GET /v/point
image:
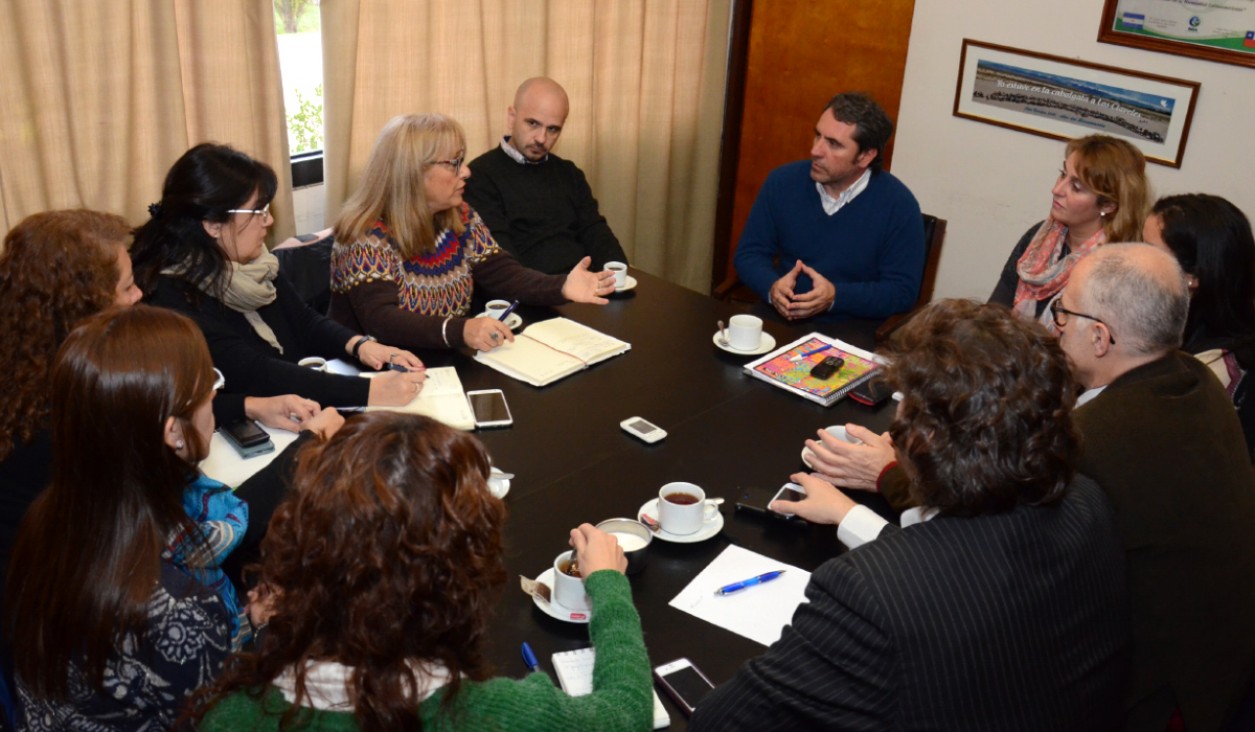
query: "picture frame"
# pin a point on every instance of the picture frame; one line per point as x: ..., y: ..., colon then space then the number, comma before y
x: 1063, y: 98
x: 1221, y: 32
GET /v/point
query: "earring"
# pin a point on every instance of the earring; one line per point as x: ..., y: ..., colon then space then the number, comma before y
x: 179, y: 445
x: 1102, y: 214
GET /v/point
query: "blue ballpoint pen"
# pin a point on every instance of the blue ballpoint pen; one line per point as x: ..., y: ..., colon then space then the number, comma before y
x: 529, y: 658
x: 506, y: 313
x: 812, y: 352
x: 737, y: 586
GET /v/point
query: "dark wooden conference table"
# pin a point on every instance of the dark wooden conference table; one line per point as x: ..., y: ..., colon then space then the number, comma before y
x: 573, y: 464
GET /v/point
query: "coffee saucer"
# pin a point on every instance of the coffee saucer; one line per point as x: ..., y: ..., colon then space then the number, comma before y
x: 628, y: 284
x: 553, y: 609
x: 498, y: 484
x: 512, y: 321
x: 765, y: 344
x: 709, y: 529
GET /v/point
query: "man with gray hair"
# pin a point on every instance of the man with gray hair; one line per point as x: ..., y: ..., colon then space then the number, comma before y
x: 1161, y: 437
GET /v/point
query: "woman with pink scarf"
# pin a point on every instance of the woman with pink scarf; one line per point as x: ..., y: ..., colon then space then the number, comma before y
x: 1100, y: 196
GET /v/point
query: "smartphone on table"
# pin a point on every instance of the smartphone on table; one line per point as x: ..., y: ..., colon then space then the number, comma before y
x: 756, y: 500
x: 248, y: 438
x: 490, y: 408
x: 871, y: 392
x: 684, y: 683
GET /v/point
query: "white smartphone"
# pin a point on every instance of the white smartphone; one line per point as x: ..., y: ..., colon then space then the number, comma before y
x: 643, y: 429
x: 788, y: 492
x: 684, y: 683
x: 490, y: 408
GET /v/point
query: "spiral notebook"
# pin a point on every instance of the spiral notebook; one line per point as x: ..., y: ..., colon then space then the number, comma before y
x: 575, y: 676
x: 789, y: 368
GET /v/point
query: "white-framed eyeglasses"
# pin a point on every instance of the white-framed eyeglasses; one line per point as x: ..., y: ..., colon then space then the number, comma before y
x: 262, y: 212
x: 219, y: 380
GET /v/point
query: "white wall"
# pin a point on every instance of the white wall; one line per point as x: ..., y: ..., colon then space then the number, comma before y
x: 308, y: 203
x: 991, y: 183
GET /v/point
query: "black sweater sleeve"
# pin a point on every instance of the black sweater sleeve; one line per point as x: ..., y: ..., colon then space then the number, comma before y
x: 1004, y: 291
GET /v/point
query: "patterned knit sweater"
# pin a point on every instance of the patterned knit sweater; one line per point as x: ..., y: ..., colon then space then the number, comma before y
x: 405, y: 302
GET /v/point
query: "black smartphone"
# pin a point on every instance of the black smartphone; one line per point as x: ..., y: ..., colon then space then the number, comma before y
x: 756, y: 500
x: 248, y: 438
x: 684, y: 683
x: 827, y: 367
x: 871, y: 392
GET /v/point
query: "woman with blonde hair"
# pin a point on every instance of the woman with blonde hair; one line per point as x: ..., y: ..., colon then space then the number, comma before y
x: 410, y: 253
x: 1101, y: 196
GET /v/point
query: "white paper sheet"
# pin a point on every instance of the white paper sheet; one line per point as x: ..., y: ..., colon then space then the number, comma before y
x: 758, y: 613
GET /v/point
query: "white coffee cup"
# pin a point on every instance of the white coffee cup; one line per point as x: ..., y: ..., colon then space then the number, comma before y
x: 688, y: 516
x: 314, y: 362
x: 620, y: 273
x: 568, y: 591
x: 495, y: 308
x: 745, y: 332
x: 838, y: 431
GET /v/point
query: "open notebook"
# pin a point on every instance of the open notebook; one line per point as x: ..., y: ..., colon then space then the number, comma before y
x: 575, y: 676
x: 441, y: 398
x: 551, y: 350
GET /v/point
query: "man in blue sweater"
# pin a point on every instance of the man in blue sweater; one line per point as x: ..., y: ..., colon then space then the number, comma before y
x: 836, y: 236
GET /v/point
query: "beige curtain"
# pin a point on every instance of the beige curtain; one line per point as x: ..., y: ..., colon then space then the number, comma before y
x: 645, y: 79
x: 100, y: 98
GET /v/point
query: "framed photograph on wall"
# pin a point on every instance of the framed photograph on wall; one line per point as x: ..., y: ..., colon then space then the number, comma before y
x: 1223, y: 32
x: 1065, y: 98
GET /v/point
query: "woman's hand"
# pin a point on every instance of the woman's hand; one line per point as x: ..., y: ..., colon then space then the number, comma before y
x: 325, y: 424
x: 378, y: 356
x: 596, y: 550
x: 824, y: 503
x: 395, y: 388
x: 485, y: 334
x: 849, y: 465
x: 285, y: 412
x: 584, y: 286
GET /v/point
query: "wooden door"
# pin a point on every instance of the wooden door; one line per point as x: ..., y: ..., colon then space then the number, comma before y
x: 788, y: 59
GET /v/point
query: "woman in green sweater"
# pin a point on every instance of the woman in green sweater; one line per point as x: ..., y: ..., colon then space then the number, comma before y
x: 380, y: 573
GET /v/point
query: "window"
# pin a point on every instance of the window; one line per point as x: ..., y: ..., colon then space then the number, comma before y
x: 299, y: 29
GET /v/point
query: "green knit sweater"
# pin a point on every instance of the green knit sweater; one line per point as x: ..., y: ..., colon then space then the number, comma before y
x: 621, y: 699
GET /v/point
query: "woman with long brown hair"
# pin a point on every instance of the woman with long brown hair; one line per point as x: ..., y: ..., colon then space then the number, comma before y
x: 109, y: 628
x: 382, y: 569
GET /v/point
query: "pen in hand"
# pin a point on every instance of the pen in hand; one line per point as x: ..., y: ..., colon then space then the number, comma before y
x: 506, y: 313
x: 529, y: 658
x: 737, y: 586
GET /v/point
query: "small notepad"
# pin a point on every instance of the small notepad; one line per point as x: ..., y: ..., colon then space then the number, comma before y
x: 575, y: 676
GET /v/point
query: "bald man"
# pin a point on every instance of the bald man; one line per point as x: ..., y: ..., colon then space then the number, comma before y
x: 537, y: 205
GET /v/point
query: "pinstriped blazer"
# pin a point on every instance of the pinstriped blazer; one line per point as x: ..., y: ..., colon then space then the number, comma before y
x: 1013, y: 621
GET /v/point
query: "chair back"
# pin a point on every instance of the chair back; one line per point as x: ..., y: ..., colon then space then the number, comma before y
x: 308, y: 267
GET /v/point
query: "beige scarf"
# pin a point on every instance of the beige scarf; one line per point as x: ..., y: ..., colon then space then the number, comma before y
x: 251, y: 286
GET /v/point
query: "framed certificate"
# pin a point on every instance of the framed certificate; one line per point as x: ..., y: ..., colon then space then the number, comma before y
x: 1215, y: 31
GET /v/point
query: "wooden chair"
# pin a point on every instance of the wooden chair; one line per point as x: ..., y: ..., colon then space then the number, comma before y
x: 732, y: 289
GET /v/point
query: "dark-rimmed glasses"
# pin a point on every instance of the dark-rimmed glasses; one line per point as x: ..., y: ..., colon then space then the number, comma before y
x: 1060, y: 314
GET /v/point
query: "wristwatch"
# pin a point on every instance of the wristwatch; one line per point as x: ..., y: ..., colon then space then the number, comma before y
x: 358, y: 346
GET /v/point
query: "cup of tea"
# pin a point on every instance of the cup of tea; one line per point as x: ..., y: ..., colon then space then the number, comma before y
x: 745, y: 332
x: 495, y: 308
x: 683, y: 508
x: 620, y: 273
x: 568, y: 585
x: 314, y: 362
x: 633, y: 537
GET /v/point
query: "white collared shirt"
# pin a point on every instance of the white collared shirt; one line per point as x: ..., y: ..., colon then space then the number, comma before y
x: 517, y: 156
x: 832, y: 205
x: 1088, y: 394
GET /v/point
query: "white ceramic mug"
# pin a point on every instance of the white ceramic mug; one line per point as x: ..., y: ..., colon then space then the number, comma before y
x: 620, y: 273
x: 314, y: 362
x: 838, y: 431
x: 745, y: 332
x: 568, y: 591
x: 495, y: 308
x: 687, y: 517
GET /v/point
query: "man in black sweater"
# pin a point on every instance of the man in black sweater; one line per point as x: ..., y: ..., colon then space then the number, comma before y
x: 537, y: 205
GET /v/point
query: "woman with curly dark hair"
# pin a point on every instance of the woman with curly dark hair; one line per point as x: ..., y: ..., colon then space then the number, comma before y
x: 1001, y: 602
x: 203, y: 253
x: 381, y: 570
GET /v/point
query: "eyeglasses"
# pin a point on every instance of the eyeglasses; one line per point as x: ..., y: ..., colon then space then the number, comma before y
x: 1060, y: 314
x: 262, y: 212
x: 455, y: 164
x: 219, y: 380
